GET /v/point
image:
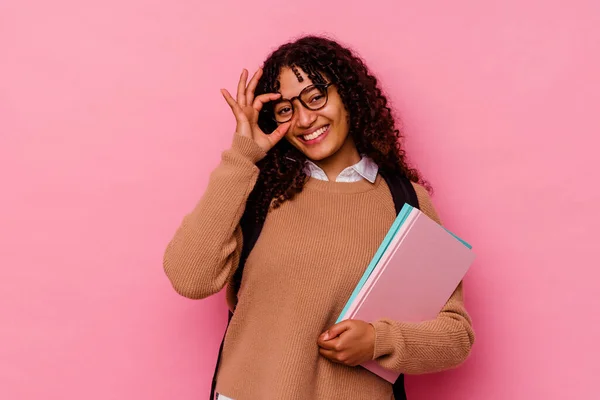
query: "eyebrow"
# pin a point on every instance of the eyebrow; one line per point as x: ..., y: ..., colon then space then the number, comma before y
x: 296, y: 96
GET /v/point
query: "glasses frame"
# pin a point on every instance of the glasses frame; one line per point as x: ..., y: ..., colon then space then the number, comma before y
x: 325, y: 87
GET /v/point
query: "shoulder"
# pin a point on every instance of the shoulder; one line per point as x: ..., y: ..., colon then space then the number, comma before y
x: 425, y: 203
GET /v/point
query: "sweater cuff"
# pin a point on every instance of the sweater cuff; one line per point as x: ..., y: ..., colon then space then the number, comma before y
x: 384, y: 339
x: 248, y: 148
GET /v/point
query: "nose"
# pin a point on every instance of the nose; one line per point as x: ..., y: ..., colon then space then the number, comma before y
x: 304, y: 117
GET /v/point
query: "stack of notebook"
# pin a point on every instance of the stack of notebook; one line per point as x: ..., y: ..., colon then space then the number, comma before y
x: 414, y: 272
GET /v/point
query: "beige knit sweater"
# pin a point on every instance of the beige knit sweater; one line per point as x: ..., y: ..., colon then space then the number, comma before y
x: 301, y: 272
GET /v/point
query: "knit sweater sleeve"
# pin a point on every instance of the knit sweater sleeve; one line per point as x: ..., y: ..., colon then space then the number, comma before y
x: 429, y: 346
x: 205, y: 250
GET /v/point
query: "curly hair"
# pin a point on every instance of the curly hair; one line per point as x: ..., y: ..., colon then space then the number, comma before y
x: 371, y: 122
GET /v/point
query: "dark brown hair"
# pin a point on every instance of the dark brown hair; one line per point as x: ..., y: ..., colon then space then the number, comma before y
x: 371, y: 122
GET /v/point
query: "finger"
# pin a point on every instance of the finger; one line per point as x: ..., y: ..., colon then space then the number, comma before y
x: 336, y: 330
x: 329, y: 354
x: 252, y: 86
x: 231, y: 101
x: 241, y: 89
x: 333, y: 356
x: 260, y: 101
x: 332, y: 345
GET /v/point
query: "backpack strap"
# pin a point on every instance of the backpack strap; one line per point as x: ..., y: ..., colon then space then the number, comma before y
x: 401, y: 188
x: 251, y: 228
x: 402, y: 192
x: 213, y: 386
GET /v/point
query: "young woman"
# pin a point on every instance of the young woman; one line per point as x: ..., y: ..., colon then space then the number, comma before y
x: 313, y: 135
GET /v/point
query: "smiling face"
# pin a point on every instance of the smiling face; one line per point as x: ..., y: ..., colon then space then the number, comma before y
x: 321, y: 135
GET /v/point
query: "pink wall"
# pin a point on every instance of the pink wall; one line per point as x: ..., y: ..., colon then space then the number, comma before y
x: 111, y: 120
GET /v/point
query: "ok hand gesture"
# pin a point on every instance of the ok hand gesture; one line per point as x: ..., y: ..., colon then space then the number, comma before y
x: 246, y: 109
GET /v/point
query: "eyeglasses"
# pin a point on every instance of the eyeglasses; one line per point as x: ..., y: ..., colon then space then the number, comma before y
x: 313, y: 97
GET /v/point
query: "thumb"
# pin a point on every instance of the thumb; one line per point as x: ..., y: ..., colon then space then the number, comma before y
x: 280, y: 132
x: 337, y: 330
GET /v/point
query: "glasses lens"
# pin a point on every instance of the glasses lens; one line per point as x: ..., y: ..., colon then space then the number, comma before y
x: 315, y: 97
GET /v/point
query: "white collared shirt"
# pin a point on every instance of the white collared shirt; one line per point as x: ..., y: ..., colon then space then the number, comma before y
x: 366, y: 168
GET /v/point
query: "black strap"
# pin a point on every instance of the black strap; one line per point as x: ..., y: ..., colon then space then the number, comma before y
x: 402, y: 192
x: 213, y: 386
x: 251, y: 228
x: 401, y: 188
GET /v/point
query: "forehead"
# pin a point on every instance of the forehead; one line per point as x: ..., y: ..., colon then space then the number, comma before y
x: 289, y: 82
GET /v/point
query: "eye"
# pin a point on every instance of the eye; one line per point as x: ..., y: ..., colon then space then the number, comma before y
x: 284, y: 110
x: 316, y: 97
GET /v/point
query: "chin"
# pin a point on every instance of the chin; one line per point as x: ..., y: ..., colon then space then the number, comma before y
x: 318, y: 153
x: 318, y: 156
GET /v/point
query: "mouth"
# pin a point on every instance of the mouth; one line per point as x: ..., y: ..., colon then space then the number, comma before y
x: 315, y: 136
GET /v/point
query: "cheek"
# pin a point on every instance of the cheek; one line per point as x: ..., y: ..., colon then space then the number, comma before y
x: 338, y: 114
x: 344, y: 117
x: 292, y: 140
x: 342, y: 120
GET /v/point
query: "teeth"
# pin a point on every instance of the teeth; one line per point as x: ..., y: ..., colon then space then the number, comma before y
x: 315, y: 134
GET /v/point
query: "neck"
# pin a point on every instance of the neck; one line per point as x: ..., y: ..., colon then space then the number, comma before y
x: 346, y: 156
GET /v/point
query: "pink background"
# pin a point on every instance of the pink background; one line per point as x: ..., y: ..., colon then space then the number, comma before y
x: 111, y: 121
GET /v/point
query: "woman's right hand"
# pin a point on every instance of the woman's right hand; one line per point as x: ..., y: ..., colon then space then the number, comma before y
x: 246, y: 109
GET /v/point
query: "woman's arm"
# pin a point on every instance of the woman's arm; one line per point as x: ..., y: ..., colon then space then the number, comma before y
x: 206, y: 248
x: 429, y: 346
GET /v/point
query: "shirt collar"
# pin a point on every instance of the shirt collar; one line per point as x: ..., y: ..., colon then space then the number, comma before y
x: 365, y: 168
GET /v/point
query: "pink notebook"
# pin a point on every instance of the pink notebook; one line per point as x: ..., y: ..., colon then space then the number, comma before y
x: 416, y: 275
x: 395, y: 241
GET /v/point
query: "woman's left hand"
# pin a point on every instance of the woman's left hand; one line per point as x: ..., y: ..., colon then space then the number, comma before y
x: 350, y: 342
